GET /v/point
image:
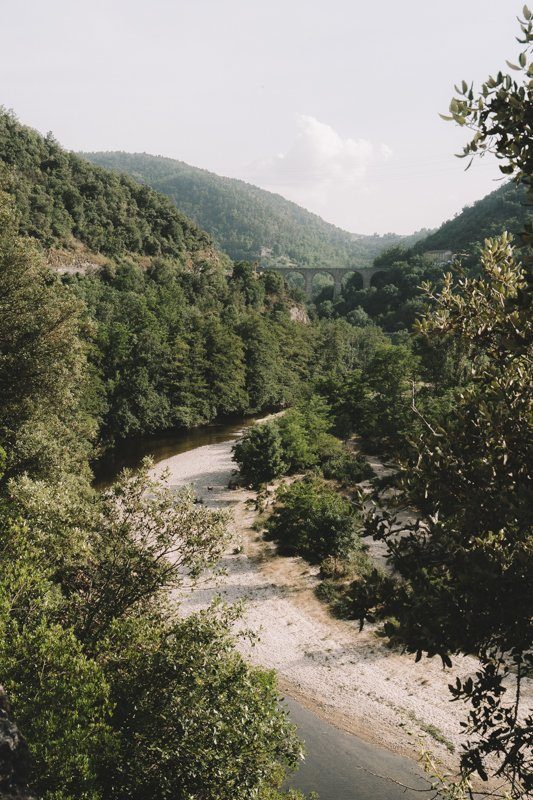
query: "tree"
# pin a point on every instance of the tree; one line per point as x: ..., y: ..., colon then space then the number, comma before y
x: 46, y: 425
x: 375, y: 401
x: 144, y: 541
x: 298, y: 453
x: 259, y: 454
x: 59, y: 693
x: 225, y: 374
x: 501, y: 116
x: 193, y: 719
x: 467, y: 564
x: 314, y: 521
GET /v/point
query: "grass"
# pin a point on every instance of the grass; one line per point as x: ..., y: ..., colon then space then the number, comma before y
x: 432, y: 731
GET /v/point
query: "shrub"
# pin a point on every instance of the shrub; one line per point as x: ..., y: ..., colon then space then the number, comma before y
x: 259, y: 454
x: 346, y: 467
x: 314, y: 521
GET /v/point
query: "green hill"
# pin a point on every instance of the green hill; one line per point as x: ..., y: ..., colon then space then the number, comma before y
x: 243, y: 219
x: 501, y: 210
x: 395, y: 299
x: 65, y: 202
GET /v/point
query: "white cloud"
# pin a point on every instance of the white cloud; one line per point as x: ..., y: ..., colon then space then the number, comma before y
x: 320, y: 170
x: 318, y: 156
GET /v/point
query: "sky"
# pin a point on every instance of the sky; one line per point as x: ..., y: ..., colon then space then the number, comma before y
x: 331, y: 103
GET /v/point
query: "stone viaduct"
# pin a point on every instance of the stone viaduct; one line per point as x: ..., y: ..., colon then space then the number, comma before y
x: 337, y: 273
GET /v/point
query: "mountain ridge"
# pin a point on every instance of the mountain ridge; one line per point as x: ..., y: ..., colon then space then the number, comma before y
x: 244, y: 219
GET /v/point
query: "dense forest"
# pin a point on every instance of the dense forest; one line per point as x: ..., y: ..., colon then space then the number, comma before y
x: 62, y: 200
x: 243, y: 219
x: 176, y: 335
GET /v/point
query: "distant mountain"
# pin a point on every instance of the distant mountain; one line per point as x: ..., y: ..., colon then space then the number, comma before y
x: 501, y: 210
x: 245, y: 220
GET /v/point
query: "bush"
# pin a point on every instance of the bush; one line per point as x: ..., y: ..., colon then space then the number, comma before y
x: 259, y: 454
x: 312, y: 520
x: 297, y: 441
x: 194, y: 719
x: 347, y: 468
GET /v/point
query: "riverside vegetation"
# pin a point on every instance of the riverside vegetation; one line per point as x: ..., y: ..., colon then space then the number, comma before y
x: 116, y: 696
x: 152, y: 328
x: 455, y: 405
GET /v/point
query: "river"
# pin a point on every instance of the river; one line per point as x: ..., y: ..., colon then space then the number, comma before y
x: 338, y: 766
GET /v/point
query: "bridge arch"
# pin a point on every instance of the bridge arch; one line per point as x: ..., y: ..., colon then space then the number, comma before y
x: 355, y: 279
x: 295, y: 278
x: 330, y: 283
x: 378, y: 278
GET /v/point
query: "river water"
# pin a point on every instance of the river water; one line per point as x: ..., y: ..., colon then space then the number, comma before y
x: 131, y: 452
x: 338, y: 766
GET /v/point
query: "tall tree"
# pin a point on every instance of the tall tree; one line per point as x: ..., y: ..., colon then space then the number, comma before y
x: 46, y: 422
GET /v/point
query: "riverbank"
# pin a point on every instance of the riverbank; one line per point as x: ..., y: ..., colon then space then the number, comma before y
x: 349, y: 678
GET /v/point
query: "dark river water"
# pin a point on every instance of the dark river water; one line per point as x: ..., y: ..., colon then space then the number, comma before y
x: 131, y: 452
x: 337, y: 766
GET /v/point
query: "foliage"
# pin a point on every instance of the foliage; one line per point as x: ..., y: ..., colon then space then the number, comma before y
x: 304, y: 432
x: 346, y: 467
x: 243, y: 219
x: 195, y: 720
x: 504, y: 209
x: 141, y: 530
x: 46, y: 417
x: 259, y: 454
x: 500, y: 115
x: 116, y: 696
x: 172, y: 339
x: 176, y: 349
x: 375, y: 401
x: 468, y: 565
x: 297, y: 441
x: 314, y: 521
x: 60, y: 694
x: 61, y: 199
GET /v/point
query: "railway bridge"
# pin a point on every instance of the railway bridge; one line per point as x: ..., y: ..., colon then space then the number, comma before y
x: 337, y: 273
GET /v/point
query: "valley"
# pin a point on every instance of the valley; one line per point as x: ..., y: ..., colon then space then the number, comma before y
x: 265, y: 483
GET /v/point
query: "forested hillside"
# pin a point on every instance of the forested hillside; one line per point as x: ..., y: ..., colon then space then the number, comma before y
x: 173, y: 339
x: 504, y: 209
x: 396, y: 298
x: 62, y: 200
x: 242, y: 218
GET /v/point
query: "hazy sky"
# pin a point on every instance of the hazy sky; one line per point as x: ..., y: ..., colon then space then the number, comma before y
x: 331, y: 103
